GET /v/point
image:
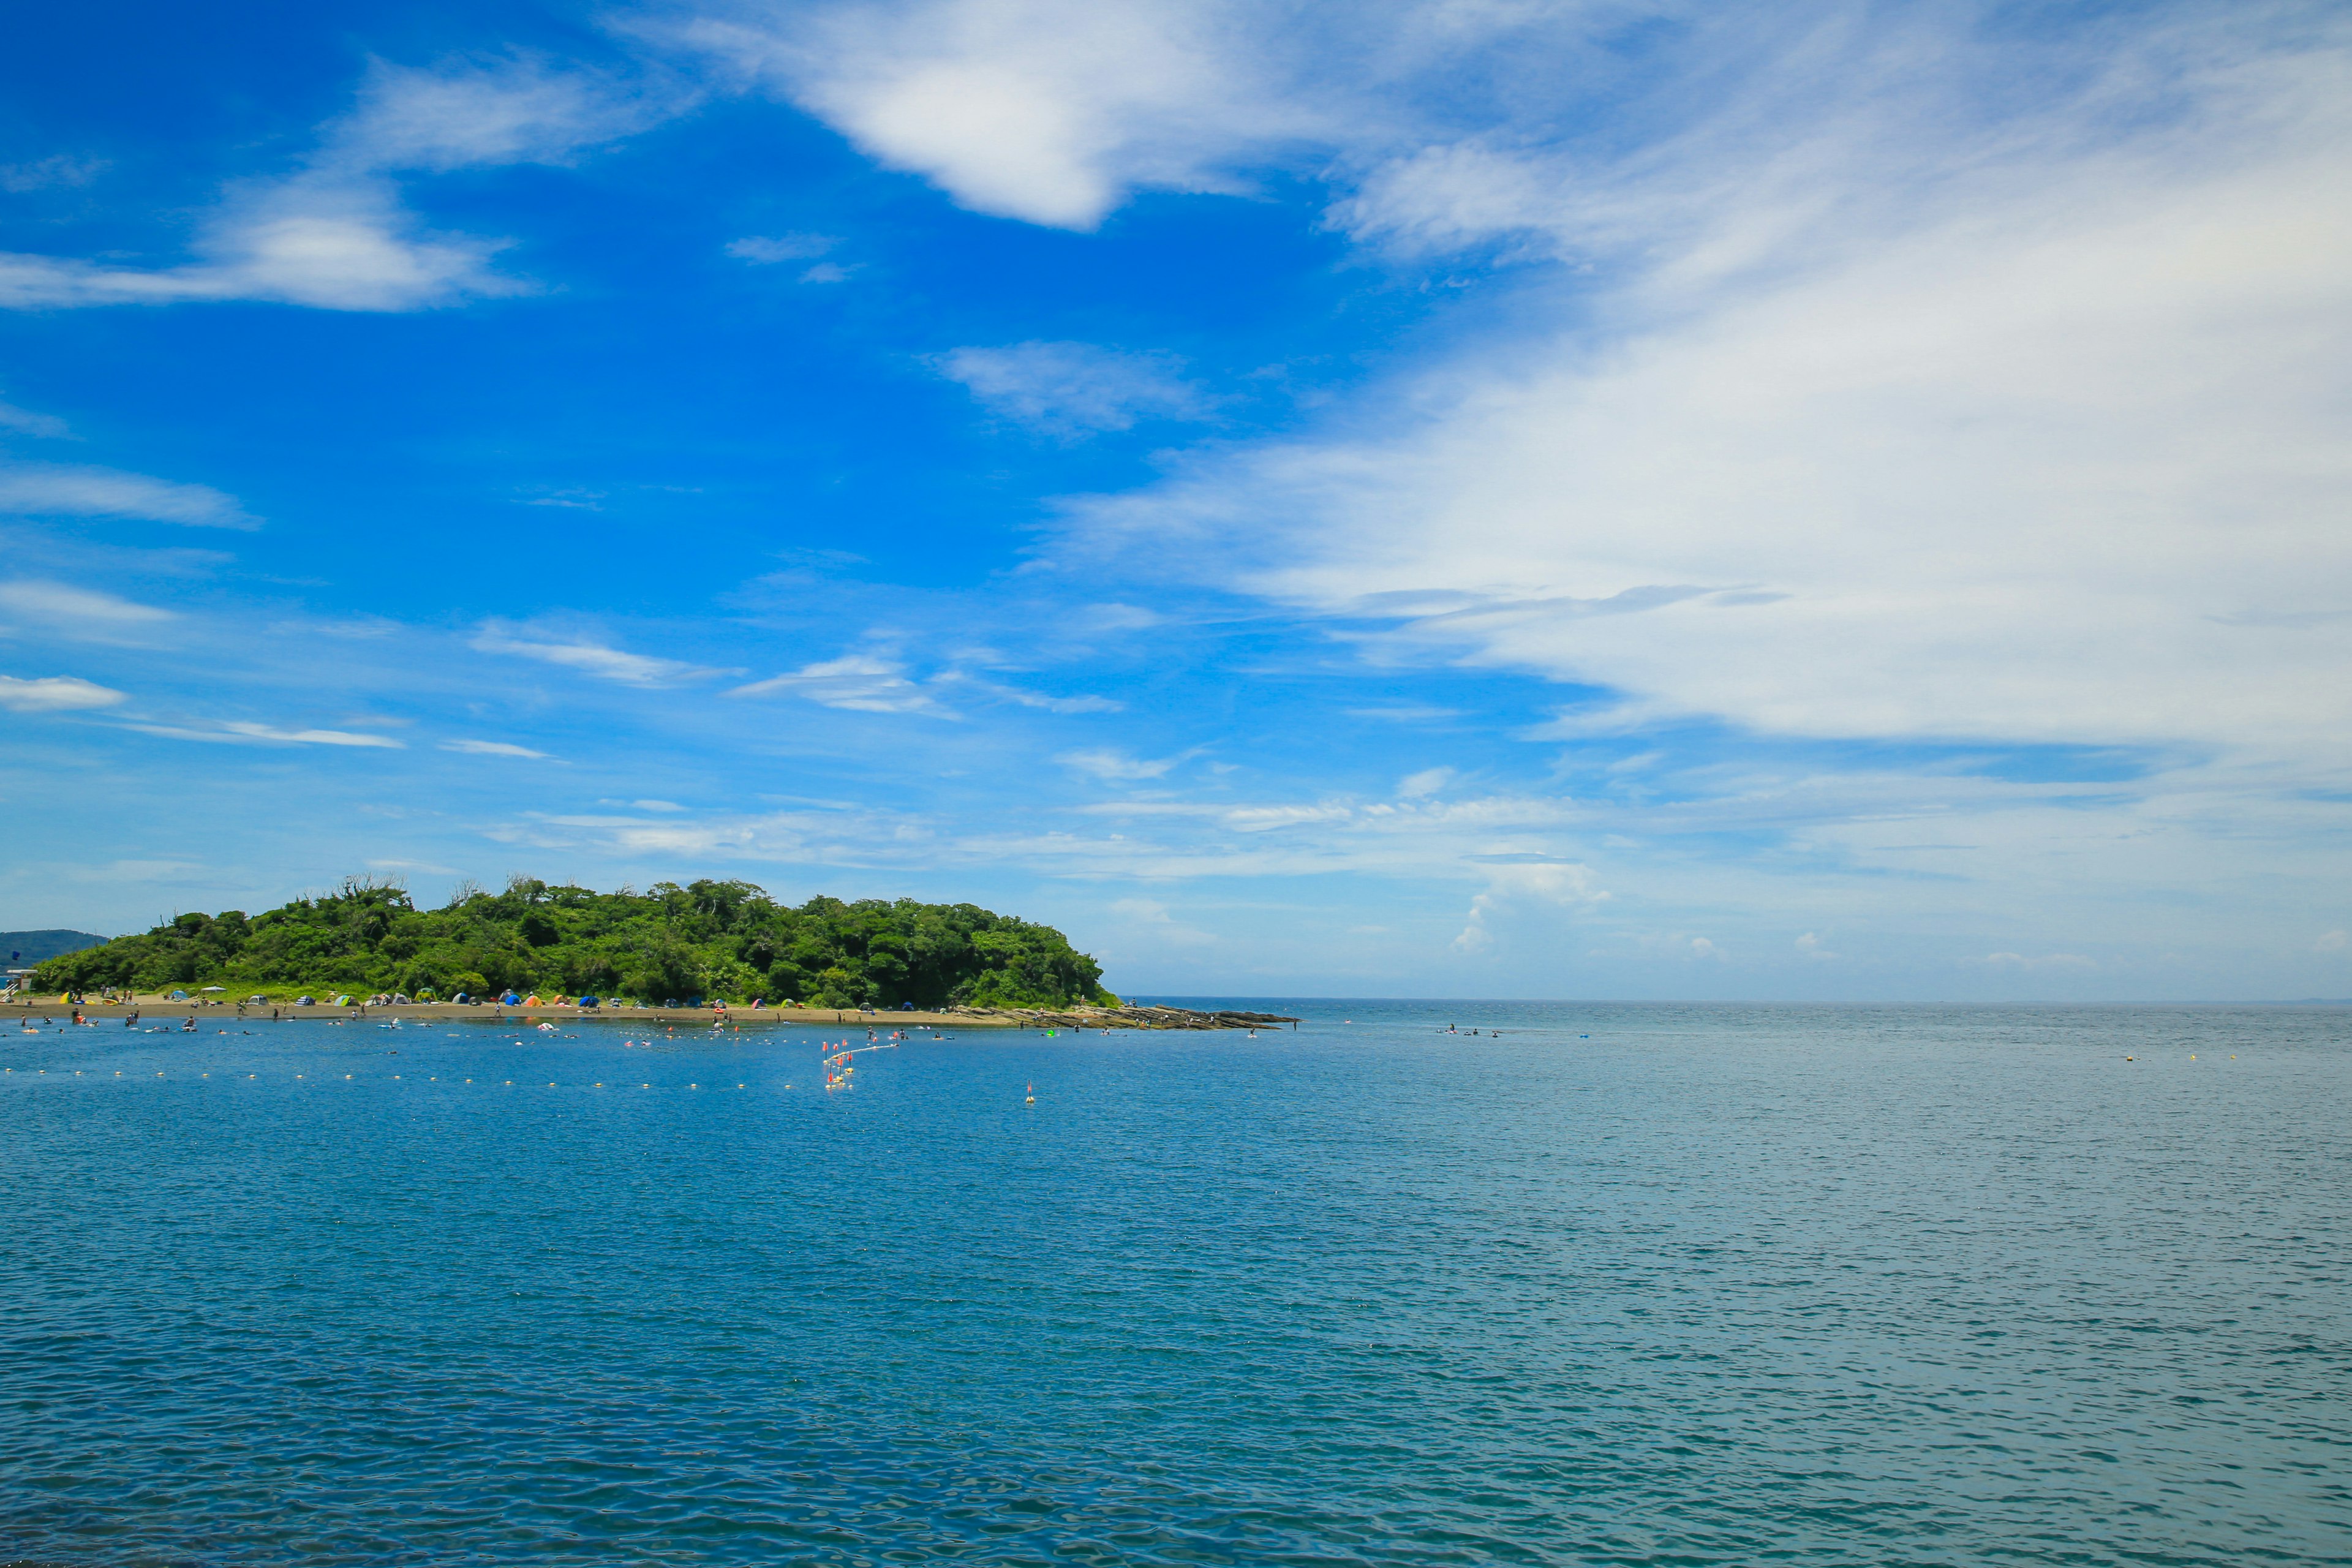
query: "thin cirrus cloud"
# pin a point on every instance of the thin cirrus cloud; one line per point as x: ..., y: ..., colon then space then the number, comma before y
x: 54, y: 694
x: 28, y: 422
x: 63, y: 603
x: 855, y: 682
x: 592, y: 659
x: 1072, y: 389
x: 54, y: 490
x: 773, y: 250
x: 1118, y: 767
x: 245, y: 731
x: 334, y: 233
x: 2025, y: 433
x: 472, y: 748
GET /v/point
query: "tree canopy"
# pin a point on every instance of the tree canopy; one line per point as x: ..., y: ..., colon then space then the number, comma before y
x: 704, y: 939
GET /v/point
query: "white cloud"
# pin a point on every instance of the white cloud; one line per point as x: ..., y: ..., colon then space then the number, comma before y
x: 59, y: 171
x: 2043, y: 961
x: 492, y: 749
x: 1049, y: 110
x: 334, y: 233
x: 1036, y: 699
x: 1920, y: 433
x: 28, y: 422
x: 64, y: 602
x: 1427, y: 782
x: 466, y: 114
x: 592, y: 658
x: 768, y: 250
x: 56, y: 489
x: 1811, y: 946
x: 241, y: 732
x: 2332, y: 941
x: 858, y: 682
x: 1067, y: 389
x: 335, y: 242
x: 1118, y: 767
x: 54, y: 694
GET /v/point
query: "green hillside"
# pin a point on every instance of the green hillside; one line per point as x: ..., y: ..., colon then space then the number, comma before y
x: 706, y: 940
x: 23, y: 949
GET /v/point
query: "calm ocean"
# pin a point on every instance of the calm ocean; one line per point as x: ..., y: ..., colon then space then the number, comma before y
x: 1629, y: 1284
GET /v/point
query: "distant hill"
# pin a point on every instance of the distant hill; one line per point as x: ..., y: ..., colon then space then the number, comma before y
x: 23, y: 948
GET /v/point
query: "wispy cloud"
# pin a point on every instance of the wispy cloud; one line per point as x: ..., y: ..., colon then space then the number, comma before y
x: 55, y: 490
x: 241, y: 731
x: 62, y: 601
x: 334, y: 233
x: 1070, y: 389
x: 27, y: 422
x: 1118, y: 767
x: 598, y: 660
x: 770, y: 249
x: 492, y: 749
x: 54, y: 694
x: 1039, y: 701
x: 1854, y: 445
x: 859, y: 682
x: 59, y: 171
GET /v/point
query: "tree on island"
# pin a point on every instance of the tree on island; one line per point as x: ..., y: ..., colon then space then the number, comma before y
x: 706, y: 939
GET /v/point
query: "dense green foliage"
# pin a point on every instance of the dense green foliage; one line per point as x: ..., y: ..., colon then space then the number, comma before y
x: 705, y: 940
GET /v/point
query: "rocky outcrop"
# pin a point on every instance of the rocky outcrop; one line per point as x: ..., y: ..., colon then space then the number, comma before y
x: 1122, y: 1019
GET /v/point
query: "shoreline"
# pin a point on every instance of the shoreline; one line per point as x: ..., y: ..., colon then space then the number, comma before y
x: 1072, y: 1019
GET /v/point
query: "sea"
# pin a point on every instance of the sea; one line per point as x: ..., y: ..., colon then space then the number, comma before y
x: 1412, y: 1283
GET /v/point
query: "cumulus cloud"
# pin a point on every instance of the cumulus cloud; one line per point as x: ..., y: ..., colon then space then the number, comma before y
x: 60, y: 490
x: 1540, y: 879
x: 54, y: 694
x: 1071, y: 389
x: 1047, y: 110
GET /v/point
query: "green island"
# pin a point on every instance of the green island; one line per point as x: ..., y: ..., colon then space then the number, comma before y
x: 705, y: 940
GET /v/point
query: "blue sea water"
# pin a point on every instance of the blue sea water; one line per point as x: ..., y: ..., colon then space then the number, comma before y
x: 1622, y: 1284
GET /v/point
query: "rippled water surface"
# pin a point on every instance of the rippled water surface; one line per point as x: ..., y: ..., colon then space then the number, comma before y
x: 1626, y: 1284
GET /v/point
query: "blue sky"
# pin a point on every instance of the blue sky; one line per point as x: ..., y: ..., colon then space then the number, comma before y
x: 1478, y: 497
